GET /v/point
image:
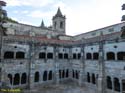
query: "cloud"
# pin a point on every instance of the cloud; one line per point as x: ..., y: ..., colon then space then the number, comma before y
x: 32, y: 3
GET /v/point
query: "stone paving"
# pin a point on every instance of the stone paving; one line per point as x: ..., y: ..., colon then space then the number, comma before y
x: 62, y: 88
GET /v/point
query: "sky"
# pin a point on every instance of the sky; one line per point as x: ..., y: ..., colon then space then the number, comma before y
x: 81, y: 15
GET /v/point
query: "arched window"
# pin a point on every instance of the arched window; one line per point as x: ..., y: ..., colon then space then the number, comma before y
x: 88, y: 77
x: 9, y: 55
x: 61, y: 24
x: 23, y: 78
x: 50, y: 55
x: 63, y: 74
x: 65, y: 56
x: 88, y: 56
x: 36, y: 78
x: 116, y: 84
x: 16, y: 79
x: 110, y: 56
x: 60, y: 74
x: 77, y: 74
x: 79, y: 55
x: 60, y: 55
x: 109, y: 82
x: 20, y: 55
x: 45, y: 76
x: 74, y: 56
x: 73, y: 74
x: 95, y: 56
x: 42, y: 55
x: 121, y: 55
x: 55, y: 25
x: 50, y: 75
x: 10, y: 78
x: 67, y: 73
x: 93, y: 78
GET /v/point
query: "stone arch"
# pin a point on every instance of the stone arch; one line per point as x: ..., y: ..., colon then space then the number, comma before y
x: 93, y: 79
x: 116, y: 84
x: 109, y: 82
x: 50, y: 55
x: 77, y: 74
x: 110, y: 56
x: 88, y: 77
x: 73, y: 73
x: 79, y: 55
x: 50, y: 75
x: 36, y: 77
x: 45, y: 76
x: 74, y: 56
x: 60, y: 56
x: 42, y: 55
x: 10, y: 78
x: 16, y: 79
x: 9, y: 55
x: 88, y: 56
x: 67, y: 73
x: 121, y: 55
x: 20, y: 55
x: 63, y: 73
x: 61, y: 24
x: 23, y: 78
x: 60, y: 74
x: 95, y: 56
x: 66, y: 56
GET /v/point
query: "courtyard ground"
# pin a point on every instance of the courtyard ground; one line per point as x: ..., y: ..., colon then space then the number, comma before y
x: 61, y: 88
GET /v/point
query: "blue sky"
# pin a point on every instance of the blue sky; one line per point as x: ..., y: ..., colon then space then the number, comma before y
x: 81, y: 15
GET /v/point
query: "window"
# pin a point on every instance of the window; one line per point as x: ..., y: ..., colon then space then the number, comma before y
x: 67, y: 73
x: 23, y: 78
x: 74, y: 56
x: 10, y: 78
x: 16, y: 79
x: 88, y: 56
x: 93, y: 78
x: 20, y: 55
x: 42, y: 55
x: 88, y: 77
x: 116, y: 84
x: 36, y: 78
x: 50, y: 75
x: 111, y: 30
x: 109, y: 82
x: 95, y: 56
x: 79, y: 55
x: 45, y: 76
x: 55, y: 25
x: 110, y: 56
x: 65, y: 56
x: 121, y: 55
x: 50, y: 55
x: 61, y: 24
x: 60, y: 55
x: 9, y: 55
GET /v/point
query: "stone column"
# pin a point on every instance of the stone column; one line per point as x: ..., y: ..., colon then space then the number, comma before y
x: 31, y: 65
x: 101, y: 76
x: 56, y: 49
x: 70, y: 62
x: 83, y: 64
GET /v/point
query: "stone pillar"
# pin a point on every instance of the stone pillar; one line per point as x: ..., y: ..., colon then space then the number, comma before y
x: 80, y: 77
x: 56, y: 49
x: 101, y: 76
x: 70, y: 62
x: 112, y: 85
x: 31, y: 65
x: 83, y: 63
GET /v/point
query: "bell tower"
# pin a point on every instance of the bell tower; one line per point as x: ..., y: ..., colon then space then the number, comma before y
x: 59, y: 22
